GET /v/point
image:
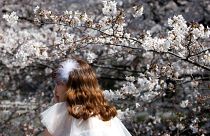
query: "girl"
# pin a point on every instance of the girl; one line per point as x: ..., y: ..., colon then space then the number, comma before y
x: 81, y: 109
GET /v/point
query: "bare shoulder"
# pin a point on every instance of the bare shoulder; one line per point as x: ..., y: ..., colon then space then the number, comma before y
x: 46, y: 133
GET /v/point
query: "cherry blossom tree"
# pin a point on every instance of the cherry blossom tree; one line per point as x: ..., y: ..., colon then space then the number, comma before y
x: 160, y: 80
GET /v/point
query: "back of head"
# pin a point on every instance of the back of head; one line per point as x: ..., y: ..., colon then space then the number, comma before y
x: 84, y: 95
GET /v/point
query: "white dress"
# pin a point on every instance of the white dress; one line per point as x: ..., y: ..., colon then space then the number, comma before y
x: 59, y: 123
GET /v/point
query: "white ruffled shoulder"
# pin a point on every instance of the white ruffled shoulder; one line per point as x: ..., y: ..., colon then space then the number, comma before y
x: 59, y: 123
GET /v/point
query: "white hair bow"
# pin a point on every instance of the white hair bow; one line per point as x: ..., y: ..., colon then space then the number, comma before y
x: 65, y: 69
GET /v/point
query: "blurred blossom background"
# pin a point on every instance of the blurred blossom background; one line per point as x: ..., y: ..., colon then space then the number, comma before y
x: 151, y: 57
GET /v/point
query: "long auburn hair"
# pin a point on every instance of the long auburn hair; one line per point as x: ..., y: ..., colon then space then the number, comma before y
x: 84, y: 95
